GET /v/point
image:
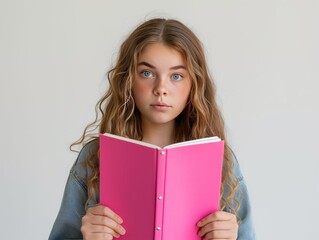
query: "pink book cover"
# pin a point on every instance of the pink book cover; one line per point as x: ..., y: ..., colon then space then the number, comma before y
x: 160, y: 193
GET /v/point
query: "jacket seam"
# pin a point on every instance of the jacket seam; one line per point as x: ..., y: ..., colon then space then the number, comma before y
x: 78, y: 181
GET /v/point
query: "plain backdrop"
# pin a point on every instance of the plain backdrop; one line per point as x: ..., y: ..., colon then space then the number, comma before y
x: 264, y: 58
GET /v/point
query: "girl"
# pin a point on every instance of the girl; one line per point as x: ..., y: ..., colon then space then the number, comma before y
x: 160, y: 92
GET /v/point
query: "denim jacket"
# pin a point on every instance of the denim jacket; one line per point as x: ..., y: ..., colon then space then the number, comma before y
x: 68, y: 222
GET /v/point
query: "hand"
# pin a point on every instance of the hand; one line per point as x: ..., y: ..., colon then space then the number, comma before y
x: 218, y: 225
x: 101, y: 222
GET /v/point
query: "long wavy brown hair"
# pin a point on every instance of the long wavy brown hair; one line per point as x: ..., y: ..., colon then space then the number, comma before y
x: 116, y: 112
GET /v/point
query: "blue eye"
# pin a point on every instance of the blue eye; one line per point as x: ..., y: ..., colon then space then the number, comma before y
x: 177, y: 77
x: 147, y: 74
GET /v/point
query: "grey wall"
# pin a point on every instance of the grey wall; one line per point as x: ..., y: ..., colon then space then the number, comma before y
x: 262, y: 54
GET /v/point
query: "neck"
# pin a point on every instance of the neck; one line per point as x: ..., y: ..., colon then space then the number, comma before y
x: 160, y: 135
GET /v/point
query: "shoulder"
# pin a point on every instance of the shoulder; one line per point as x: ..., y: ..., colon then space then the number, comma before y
x: 87, y: 149
x: 80, y: 170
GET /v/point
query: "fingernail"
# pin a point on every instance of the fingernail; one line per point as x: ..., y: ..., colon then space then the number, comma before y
x: 123, y: 231
x: 199, y: 223
x: 120, y: 220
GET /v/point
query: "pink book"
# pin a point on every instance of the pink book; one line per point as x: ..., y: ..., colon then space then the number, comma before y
x: 160, y: 193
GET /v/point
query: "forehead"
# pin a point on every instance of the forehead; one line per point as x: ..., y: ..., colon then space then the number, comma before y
x: 159, y: 53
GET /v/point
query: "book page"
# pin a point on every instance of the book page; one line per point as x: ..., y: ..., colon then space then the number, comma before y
x: 186, y: 143
x: 193, y: 142
x: 131, y: 140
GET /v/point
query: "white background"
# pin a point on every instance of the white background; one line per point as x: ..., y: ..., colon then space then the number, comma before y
x: 263, y: 55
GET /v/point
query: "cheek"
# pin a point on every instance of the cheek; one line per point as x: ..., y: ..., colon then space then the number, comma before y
x: 138, y: 92
x: 185, y: 92
x: 135, y: 90
x: 139, y: 87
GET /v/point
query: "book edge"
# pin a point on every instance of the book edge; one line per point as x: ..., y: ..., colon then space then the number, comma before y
x: 179, y: 144
x: 131, y: 140
x: 194, y: 142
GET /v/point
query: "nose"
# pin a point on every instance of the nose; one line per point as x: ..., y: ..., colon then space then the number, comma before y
x: 160, y: 88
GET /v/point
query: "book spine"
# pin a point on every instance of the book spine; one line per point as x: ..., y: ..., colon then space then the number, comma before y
x: 160, y: 187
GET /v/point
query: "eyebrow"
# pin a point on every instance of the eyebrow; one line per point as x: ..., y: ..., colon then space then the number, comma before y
x: 151, y: 66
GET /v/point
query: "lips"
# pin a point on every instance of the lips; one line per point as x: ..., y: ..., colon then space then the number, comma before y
x: 160, y: 106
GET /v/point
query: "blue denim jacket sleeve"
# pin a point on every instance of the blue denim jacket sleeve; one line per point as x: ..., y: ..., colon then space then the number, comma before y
x: 246, y: 229
x: 68, y: 222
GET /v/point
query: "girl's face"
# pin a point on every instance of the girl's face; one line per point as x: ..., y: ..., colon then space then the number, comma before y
x: 161, y: 84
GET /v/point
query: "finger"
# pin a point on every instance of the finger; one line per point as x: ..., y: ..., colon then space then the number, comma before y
x: 89, y: 220
x: 105, y: 211
x: 98, y: 231
x: 220, y: 234
x: 98, y: 236
x: 218, y: 226
x: 108, y: 222
x: 103, y: 229
x: 217, y: 216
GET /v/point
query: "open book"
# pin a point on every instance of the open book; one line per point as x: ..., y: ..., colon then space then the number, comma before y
x: 160, y: 193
